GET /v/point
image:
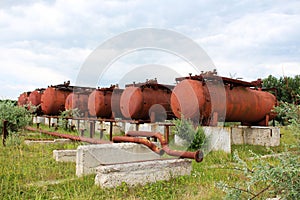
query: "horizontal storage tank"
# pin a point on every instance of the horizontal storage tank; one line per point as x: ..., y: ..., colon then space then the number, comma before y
x: 208, y: 101
x: 35, y: 99
x: 104, y: 102
x: 23, y: 99
x: 147, y: 101
x: 79, y: 99
x: 53, y: 99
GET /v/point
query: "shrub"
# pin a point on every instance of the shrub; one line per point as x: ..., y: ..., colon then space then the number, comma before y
x: 17, y: 117
x: 266, y: 179
x: 64, y: 115
x: 185, y: 129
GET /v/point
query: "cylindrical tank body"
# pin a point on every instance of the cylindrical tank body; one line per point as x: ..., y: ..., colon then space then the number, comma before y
x: 146, y: 102
x: 104, y: 102
x: 77, y: 100
x: 192, y: 99
x: 34, y: 99
x: 23, y: 99
x: 53, y: 100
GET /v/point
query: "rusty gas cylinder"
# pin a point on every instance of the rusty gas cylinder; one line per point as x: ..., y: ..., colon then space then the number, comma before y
x: 193, y: 99
x: 23, y: 99
x: 53, y: 100
x: 104, y: 102
x: 149, y: 101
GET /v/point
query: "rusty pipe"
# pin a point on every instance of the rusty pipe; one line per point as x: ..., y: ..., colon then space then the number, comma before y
x: 143, y: 141
x: 198, y: 155
x: 157, y: 135
x: 71, y: 137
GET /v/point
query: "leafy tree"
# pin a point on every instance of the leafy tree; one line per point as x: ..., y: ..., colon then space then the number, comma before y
x: 17, y: 117
x: 288, y: 88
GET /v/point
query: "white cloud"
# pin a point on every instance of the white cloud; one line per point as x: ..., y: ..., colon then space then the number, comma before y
x: 42, y: 42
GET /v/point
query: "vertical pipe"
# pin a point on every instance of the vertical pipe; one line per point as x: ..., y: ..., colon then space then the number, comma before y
x: 167, y: 133
x: 92, y: 129
x: 4, y: 132
x: 110, y: 130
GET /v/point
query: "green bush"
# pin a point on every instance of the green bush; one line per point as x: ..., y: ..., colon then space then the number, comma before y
x: 185, y: 129
x: 64, y: 115
x: 264, y: 179
x: 17, y: 117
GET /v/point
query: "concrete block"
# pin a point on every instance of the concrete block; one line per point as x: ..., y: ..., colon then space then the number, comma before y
x: 55, y: 141
x: 91, y: 156
x: 255, y: 135
x: 65, y: 155
x: 141, y: 173
x: 218, y: 139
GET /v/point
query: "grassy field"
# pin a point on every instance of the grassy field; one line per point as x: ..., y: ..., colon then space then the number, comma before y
x: 30, y: 172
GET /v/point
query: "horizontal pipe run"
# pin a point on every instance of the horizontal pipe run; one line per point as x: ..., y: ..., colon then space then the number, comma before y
x: 71, y: 137
x: 143, y: 141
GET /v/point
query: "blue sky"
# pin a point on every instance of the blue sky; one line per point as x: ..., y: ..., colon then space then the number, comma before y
x: 47, y: 42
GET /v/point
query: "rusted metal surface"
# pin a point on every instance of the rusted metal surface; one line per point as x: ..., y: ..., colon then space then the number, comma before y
x: 34, y: 99
x: 78, y: 99
x: 103, y: 102
x: 23, y: 99
x: 147, y: 101
x: 54, y: 97
x: 212, y: 76
x: 143, y: 141
x: 234, y: 101
x: 71, y: 137
x: 198, y: 155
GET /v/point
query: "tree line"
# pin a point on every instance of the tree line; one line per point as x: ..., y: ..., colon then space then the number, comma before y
x: 286, y: 89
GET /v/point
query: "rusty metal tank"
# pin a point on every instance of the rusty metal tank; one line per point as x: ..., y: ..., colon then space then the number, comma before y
x: 146, y: 101
x: 79, y: 99
x: 34, y: 99
x: 104, y: 102
x: 234, y: 100
x: 54, y: 97
x: 23, y: 99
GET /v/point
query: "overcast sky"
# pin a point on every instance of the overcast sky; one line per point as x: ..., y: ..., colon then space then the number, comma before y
x: 47, y: 42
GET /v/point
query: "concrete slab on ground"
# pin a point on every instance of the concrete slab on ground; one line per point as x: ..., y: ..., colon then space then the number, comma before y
x: 91, y: 156
x: 141, y: 173
x: 65, y: 155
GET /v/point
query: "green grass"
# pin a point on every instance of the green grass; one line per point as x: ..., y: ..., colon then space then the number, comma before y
x: 30, y: 172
